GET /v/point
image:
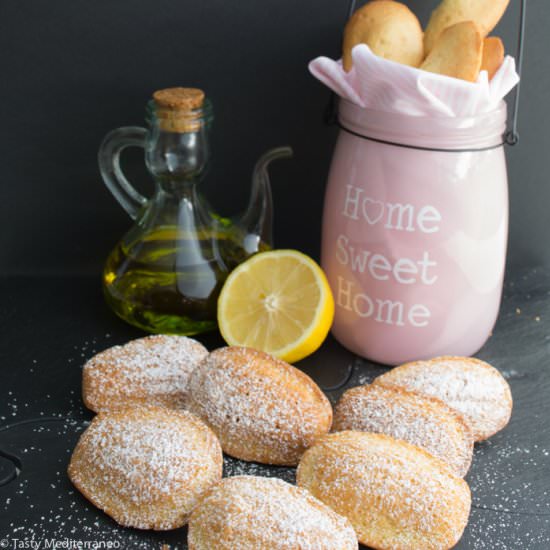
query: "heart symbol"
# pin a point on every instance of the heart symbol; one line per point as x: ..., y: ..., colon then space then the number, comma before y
x: 372, y: 210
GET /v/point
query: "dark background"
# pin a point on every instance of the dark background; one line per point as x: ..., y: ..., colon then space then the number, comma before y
x: 72, y: 70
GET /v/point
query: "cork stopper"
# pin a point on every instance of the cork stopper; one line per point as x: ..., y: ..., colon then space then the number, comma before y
x: 179, y: 109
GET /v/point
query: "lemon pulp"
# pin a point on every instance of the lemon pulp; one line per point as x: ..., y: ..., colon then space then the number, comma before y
x: 279, y: 302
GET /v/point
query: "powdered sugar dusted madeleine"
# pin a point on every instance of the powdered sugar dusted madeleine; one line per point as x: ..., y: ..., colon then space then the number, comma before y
x: 420, y: 420
x: 153, y: 370
x: 472, y: 387
x: 261, y: 408
x: 252, y: 513
x: 146, y: 467
x: 396, y: 495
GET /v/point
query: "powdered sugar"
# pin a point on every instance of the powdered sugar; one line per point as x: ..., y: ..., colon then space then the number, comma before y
x: 256, y: 512
x: 262, y: 409
x: 473, y: 388
x: 420, y: 420
x: 146, y: 466
x: 377, y: 481
x: 153, y: 370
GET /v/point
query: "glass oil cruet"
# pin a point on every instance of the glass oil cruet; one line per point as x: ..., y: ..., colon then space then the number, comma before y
x: 167, y: 271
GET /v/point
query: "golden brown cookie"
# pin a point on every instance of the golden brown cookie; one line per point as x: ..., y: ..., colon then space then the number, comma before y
x: 252, y: 513
x: 493, y: 55
x: 484, y: 13
x: 395, y: 494
x: 457, y: 52
x: 146, y: 467
x: 261, y: 408
x: 423, y: 421
x: 472, y: 387
x: 149, y: 371
x: 390, y: 30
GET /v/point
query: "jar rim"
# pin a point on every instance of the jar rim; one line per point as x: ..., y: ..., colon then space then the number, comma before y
x: 439, y: 132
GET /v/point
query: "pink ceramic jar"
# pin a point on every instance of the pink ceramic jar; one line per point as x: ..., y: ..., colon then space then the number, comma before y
x: 414, y: 239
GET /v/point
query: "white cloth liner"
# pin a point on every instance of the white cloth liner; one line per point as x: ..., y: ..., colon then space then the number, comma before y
x: 383, y: 85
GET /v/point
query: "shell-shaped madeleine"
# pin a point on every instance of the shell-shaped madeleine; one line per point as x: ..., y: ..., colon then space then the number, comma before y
x: 472, y: 387
x: 153, y: 370
x: 249, y: 513
x: 423, y: 421
x: 261, y: 408
x: 146, y: 467
x: 395, y: 494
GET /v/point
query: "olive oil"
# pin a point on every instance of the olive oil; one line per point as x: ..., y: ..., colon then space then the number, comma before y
x: 166, y: 273
x: 151, y: 283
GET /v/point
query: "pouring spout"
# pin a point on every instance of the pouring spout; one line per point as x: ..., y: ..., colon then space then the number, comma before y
x: 257, y: 220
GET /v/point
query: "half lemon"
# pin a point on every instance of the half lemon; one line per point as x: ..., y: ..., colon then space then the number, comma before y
x: 279, y: 302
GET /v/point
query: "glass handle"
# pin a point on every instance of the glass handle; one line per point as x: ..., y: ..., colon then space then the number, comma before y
x: 109, y: 165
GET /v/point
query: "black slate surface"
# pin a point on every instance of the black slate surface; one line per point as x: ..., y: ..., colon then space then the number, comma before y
x: 50, y: 326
